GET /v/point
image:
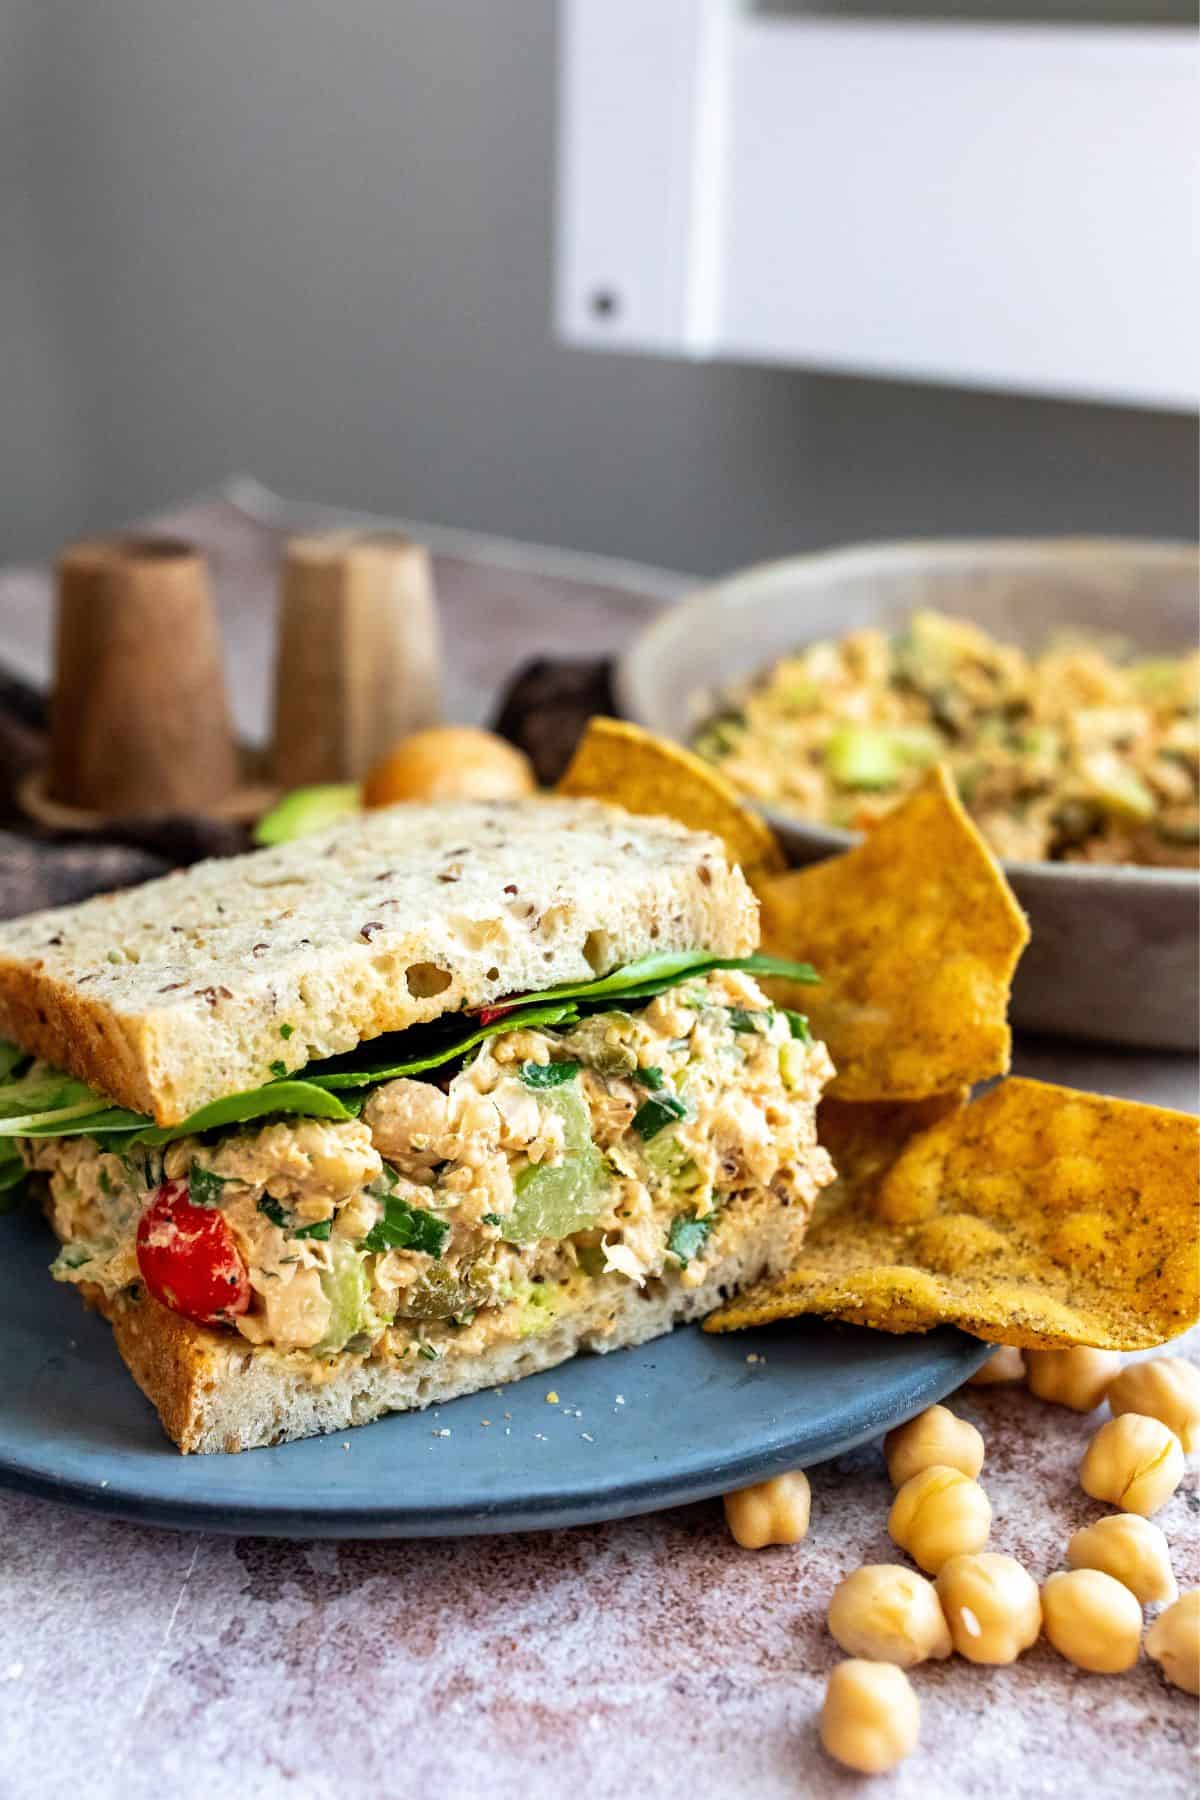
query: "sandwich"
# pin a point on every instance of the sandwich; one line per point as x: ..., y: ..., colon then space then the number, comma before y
x: 421, y: 1104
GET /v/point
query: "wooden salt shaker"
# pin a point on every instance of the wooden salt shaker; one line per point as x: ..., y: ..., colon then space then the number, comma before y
x: 139, y: 722
x: 358, y: 662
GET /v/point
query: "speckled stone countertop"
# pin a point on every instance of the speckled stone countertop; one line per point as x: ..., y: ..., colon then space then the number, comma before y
x: 648, y: 1658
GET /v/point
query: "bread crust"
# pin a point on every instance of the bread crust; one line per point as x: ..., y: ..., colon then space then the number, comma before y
x: 171, y: 995
x: 215, y: 1392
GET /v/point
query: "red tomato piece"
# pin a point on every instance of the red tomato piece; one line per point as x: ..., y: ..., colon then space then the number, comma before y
x: 487, y: 1015
x: 188, y: 1258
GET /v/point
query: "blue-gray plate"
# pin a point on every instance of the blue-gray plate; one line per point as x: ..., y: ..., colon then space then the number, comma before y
x: 683, y: 1418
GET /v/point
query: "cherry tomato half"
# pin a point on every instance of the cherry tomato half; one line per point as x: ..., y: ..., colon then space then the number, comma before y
x: 188, y: 1258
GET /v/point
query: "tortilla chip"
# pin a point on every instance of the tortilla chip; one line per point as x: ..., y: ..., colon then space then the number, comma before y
x: 915, y: 935
x: 1036, y: 1216
x: 643, y: 773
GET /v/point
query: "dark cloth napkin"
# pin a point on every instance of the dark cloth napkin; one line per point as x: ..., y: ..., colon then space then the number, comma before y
x: 43, y: 867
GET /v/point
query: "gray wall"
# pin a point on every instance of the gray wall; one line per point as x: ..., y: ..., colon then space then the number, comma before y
x: 311, y: 239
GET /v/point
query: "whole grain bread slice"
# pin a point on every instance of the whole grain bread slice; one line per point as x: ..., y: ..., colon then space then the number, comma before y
x: 201, y: 984
x: 215, y: 1392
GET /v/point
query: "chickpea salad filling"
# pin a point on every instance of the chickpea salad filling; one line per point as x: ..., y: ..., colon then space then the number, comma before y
x: 1080, y: 753
x: 627, y: 1131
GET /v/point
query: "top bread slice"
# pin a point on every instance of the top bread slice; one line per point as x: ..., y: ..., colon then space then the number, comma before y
x: 199, y: 985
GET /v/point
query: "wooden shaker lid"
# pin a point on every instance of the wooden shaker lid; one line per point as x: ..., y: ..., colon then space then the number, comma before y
x: 139, y: 722
x: 359, y: 660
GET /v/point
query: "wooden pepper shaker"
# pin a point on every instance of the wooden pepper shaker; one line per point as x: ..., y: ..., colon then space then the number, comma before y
x: 139, y: 722
x: 359, y: 660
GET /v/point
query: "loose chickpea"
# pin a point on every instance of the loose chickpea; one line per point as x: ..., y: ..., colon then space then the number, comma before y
x: 1174, y: 1642
x: 770, y: 1512
x: 1134, y: 1463
x: 871, y: 1719
x: 1168, y: 1388
x: 992, y: 1606
x: 1092, y: 1620
x: 938, y: 1514
x: 1076, y: 1378
x: 890, y: 1614
x: 936, y: 1436
x: 1131, y: 1550
x: 1006, y: 1365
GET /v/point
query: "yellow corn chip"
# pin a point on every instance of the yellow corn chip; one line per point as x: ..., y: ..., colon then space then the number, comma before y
x: 915, y: 935
x: 1037, y: 1216
x: 643, y: 773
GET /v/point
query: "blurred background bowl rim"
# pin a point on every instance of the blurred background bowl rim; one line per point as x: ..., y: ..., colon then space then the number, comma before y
x: 630, y: 679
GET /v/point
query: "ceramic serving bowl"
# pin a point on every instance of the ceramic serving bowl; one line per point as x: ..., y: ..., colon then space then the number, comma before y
x: 1115, y: 949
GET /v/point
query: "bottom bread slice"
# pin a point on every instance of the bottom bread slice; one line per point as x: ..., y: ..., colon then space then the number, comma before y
x: 214, y: 1392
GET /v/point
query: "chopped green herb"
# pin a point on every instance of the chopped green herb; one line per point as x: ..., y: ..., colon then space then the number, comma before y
x: 279, y: 1070
x: 548, y: 1075
x: 688, y: 1236
x: 742, y: 1020
x: 428, y: 1352
x: 285, y: 1032
x: 405, y: 1227
x: 320, y: 1231
x: 655, y: 1114
x: 104, y: 1184
x: 652, y: 1078
x: 204, y: 1188
x: 798, y: 1026
x: 272, y: 1210
x: 492, y: 1219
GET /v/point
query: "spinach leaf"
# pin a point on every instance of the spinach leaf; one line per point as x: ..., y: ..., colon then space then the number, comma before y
x: 656, y: 1113
x: 456, y: 1042
x: 272, y: 1210
x: 11, y: 1057
x: 688, y: 1236
x: 12, y: 1182
x: 653, y: 975
x: 302, y: 1098
x: 548, y: 1075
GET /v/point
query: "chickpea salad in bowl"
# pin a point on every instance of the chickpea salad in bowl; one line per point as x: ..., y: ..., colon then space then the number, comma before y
x: 1082, y: 752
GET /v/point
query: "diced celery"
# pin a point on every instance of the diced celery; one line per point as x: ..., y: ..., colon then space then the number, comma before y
x: 876, y: 756
x: 348, y: 1292
x: 1117, y: 789
x: 554, y: 1202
